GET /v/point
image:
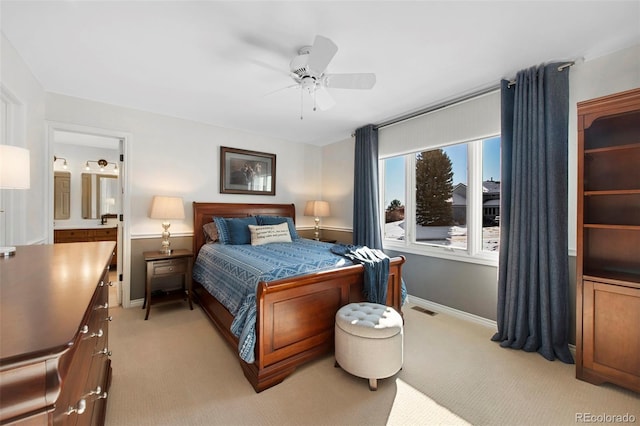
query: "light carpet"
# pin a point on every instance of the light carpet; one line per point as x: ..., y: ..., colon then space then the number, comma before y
x: 175, y: 369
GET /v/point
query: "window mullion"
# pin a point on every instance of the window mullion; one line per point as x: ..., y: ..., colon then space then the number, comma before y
x: 474, y: 206
x: 410, y: 207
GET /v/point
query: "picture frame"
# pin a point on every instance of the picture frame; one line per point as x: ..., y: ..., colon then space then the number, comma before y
x: 247, y: 172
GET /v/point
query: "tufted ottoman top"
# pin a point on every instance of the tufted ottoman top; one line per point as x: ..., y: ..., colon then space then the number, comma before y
x: 369, y: 320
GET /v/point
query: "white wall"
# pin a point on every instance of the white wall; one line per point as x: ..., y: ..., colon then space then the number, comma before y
x: 17, y: 79
x: 172, y: 156
x: 337, y: 183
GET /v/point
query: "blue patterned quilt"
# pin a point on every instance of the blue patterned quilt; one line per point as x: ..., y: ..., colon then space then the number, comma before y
x: 231, y: 273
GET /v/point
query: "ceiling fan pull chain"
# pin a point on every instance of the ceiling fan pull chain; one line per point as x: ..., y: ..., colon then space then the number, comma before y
x: 301, y: 95
x: 314, y: 98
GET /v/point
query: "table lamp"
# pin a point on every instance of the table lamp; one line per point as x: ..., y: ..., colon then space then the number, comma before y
x: 317, y: 209
x: 14, y: 174
x: 166, y: 208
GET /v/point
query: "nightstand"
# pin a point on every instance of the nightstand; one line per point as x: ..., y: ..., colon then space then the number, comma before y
x: 178, y: 263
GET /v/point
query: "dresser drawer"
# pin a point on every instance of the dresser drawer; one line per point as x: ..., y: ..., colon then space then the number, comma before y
x: 71, y: 235
x: 173, y: 266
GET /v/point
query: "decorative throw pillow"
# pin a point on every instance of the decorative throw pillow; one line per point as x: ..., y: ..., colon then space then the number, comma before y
x: 210, y: 232
x: 221, y: 226
x: 277, y: 220
x: 269, y: 234
x: 234, y: 231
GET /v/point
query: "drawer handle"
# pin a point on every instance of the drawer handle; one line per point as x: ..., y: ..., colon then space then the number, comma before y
x: 105, y: 306
x: 94, y: 392
x: 100, y: 333
x: 82, y: 406
x: 109, y: 318
x: 105, y: 351
x: 102, y: 284
x: 84, y: 329
x: 98, y: 391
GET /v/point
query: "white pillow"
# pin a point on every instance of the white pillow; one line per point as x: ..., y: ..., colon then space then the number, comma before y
x: 269, y: 234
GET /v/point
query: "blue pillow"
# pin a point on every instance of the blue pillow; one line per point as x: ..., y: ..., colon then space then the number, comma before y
x: 277, y: 220
x: 234, y: 231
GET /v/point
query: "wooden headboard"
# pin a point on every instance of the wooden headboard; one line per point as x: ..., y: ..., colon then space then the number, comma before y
x: 203, y: 213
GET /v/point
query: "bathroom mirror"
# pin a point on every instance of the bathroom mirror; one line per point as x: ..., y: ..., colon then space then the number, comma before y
x: 99, y: 195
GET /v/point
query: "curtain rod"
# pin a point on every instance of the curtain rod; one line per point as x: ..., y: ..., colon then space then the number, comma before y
x: 452, y: 102
x: 560, y: 68
x: 438, y: 106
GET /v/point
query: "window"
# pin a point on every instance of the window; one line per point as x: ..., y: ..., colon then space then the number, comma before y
x: 444, y: 201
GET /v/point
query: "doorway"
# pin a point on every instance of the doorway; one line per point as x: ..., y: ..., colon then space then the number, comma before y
x: 93, y: 161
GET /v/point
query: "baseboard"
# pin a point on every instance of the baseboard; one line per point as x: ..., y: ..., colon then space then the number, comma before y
x: 136, y: 303
x: 436, y: 307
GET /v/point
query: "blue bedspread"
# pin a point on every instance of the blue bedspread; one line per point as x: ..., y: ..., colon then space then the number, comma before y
x: 231, y: 273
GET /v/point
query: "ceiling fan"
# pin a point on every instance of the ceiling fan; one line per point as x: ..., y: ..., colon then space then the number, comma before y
x: 308, y: 71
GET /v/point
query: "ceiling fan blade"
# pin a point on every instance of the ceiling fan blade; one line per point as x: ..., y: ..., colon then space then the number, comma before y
x: 280, y: 90
x: 350, y: 81
x: 324, y: 100
x: 265, y: 65
x: 322, y: 51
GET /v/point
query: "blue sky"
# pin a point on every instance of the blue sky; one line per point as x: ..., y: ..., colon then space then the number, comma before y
x: 395, y: 182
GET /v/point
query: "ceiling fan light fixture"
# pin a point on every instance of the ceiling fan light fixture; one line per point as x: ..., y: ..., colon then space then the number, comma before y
x: 308, y: 83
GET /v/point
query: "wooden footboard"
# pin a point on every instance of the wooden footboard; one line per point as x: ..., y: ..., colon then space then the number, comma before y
x: 295, y: 316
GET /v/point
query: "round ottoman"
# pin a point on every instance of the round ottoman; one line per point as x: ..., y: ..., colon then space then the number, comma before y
x: 369, y: 341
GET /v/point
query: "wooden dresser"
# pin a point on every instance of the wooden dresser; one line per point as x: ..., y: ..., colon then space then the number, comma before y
x: 88, y: 234
x: 54, y: 330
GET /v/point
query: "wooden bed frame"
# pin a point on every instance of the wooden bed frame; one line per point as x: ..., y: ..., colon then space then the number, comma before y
x: 295, y: 316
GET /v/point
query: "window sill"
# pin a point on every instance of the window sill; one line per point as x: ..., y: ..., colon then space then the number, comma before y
x: 488, y: 259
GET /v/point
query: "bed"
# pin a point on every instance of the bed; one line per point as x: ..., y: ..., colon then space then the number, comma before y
x: 294, y: 317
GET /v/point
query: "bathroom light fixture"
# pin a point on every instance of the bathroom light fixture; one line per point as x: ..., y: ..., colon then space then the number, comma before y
x: 64, y: 164
x: 102, y: 164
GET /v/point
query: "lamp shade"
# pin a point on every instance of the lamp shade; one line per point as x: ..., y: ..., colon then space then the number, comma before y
x: 167, y: 208
x: 317, y: 209
x: 14, y: 167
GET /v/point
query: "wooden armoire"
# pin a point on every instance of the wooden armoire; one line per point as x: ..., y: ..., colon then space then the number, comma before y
x: 608, y: 240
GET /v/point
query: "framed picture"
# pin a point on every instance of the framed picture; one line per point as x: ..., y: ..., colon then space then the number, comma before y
x: 247, y: 172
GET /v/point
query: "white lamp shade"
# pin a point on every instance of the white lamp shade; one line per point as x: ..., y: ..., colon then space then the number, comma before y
x: 14, y: 167
x: 317, y: 209
x: 167, y: 208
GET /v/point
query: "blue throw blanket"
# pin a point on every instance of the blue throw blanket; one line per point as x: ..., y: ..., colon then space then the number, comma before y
x: 376, y: 269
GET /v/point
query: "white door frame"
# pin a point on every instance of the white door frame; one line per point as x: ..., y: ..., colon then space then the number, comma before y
x: 13, y: 223
x: 124, y: 246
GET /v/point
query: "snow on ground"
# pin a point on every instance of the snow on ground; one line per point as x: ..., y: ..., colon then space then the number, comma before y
x: 453, y: 236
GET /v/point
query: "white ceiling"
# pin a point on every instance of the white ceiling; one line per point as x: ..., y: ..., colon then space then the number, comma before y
x: 216, y: 62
